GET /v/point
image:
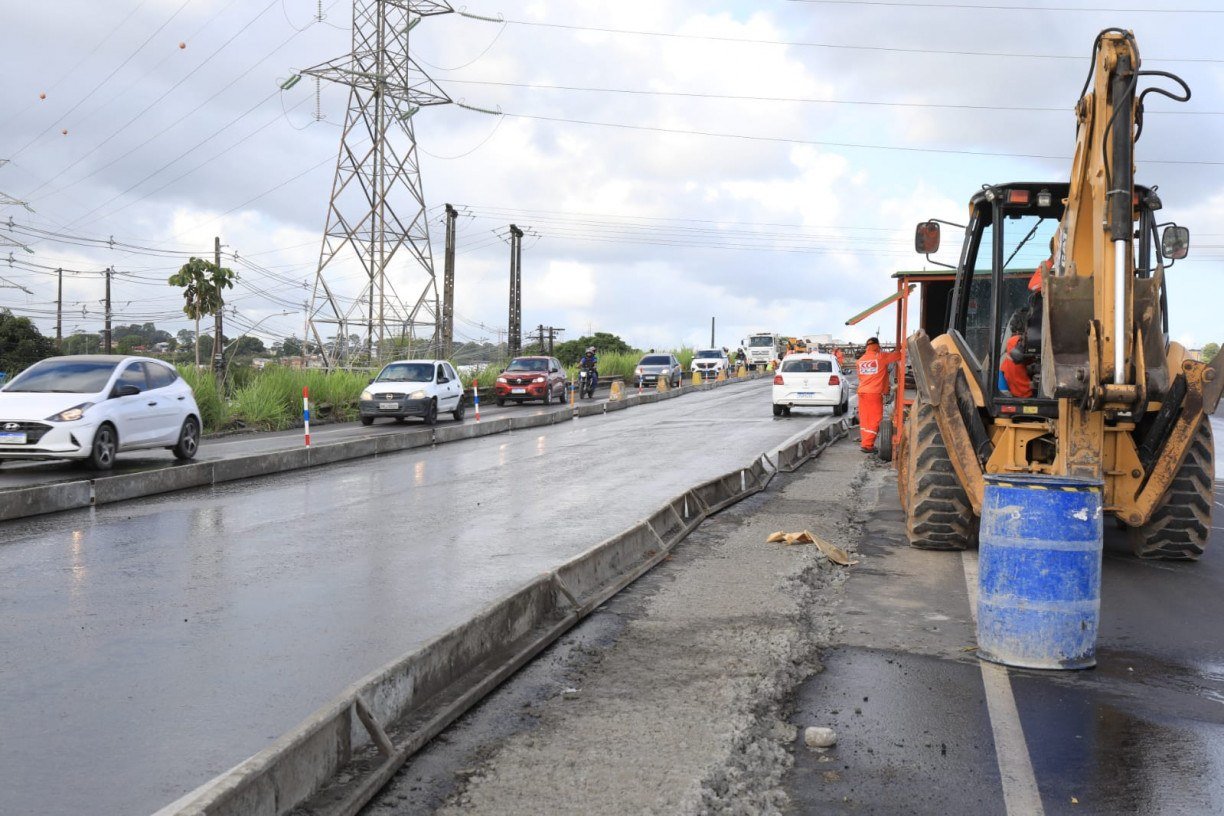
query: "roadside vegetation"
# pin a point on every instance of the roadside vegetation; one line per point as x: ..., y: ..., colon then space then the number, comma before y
x: 271, y: 399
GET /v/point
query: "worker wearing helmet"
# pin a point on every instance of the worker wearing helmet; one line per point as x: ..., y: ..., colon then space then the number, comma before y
x: 872, y: 385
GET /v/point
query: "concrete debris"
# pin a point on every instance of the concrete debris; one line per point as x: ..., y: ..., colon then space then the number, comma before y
x: 819, y: 737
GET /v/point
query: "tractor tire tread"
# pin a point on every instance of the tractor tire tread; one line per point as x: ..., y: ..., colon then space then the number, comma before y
x: 1179, y: 527
x: 938, y: 514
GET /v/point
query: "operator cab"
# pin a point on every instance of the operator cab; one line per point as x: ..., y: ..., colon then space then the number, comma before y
x: 1013, y: 229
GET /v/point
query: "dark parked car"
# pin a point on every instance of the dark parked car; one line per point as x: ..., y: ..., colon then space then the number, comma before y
x: 654, y: 367
x: 531, y: 378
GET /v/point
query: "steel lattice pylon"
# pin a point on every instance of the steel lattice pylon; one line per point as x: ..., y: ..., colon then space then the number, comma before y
x: 377, y: 204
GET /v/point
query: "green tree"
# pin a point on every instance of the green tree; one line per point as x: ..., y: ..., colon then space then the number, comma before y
x: 1210, y: 350
x: 204, y: 284
x: 83, y: 343
x: 21, y: 343
x: 571, y: 351
x: 291, y: 347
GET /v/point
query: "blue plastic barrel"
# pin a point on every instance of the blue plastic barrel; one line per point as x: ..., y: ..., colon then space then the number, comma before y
x: 1039, y: 572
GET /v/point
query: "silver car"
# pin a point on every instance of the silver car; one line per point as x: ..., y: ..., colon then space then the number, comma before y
x: 654, y: 367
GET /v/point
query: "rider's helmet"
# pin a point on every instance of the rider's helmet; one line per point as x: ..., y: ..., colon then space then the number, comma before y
x: 590, y: 350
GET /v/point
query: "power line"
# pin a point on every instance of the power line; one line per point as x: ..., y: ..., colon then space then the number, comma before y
x: 105, y: 80
x: 802, y: 100
x: 1028, y: 8
x: 818, y: 142
x: 808, y: 44
x: 212, y: 54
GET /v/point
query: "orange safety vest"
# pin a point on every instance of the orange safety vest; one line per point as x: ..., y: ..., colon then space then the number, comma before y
x: 873, y: 370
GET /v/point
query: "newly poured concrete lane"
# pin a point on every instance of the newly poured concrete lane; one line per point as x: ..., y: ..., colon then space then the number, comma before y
x: 1142, y: 733
x: 149, y: 645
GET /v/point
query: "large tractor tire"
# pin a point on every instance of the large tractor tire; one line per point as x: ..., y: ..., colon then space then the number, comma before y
x: 1178, y: 529
x: 937, y: 511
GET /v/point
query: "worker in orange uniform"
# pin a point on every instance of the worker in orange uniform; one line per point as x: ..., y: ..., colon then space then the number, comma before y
x: 1015, y: 368
x: 872, y: 385
x: 841, y: 358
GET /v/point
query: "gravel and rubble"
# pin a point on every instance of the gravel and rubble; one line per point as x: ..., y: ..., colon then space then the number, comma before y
x: 674, y: 697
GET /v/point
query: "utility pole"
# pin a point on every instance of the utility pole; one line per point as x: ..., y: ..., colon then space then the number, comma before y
x: 106, y: 333
x: 712, y: 333
x: 218, y: 359
x: 553, y: 331
x: 448, y: 286
x: 59, y: 310
x: 514, y: 335
x: 377, y: 204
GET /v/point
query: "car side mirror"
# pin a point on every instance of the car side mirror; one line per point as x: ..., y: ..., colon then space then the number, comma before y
x: 442, y: 380
x: 371, y: 382
x: 126, y: 391
x: 926, y: 238
x: 1175, y: 242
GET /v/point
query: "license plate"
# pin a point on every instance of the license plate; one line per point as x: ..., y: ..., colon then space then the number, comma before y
x: 518, y: 390
x: 806, y: 394
x: 388, y: 406
x: 12, y: 438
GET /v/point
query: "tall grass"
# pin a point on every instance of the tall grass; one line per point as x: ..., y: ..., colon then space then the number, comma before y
x: 213, y: 412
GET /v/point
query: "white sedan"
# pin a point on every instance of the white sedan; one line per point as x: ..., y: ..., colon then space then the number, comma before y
x: 413, y: 388
x: 810, y: 380
x: 92, y: 406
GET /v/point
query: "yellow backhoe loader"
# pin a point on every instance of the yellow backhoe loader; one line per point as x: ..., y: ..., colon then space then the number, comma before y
x: 1067, y: 371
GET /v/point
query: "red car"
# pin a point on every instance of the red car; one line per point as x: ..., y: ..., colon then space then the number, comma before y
x: 531, y: 378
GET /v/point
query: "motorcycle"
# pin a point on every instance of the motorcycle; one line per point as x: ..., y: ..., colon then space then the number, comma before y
x: 586, y: 382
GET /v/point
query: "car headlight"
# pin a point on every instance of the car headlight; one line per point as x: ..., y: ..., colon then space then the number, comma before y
x: 71, y: 414
x: 539, y: 379
x: 417, y: 395
x: 501, y: 380
x: 638, y: 371
x: 367, y: 395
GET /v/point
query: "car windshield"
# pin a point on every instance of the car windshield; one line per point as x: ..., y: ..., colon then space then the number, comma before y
x: 528, y: 365
x: 64, y: 377
x: 806, y: 366
x: 761, y: 340
x: 407, y: 372
x: 655, y: 359
x: 714, y: 353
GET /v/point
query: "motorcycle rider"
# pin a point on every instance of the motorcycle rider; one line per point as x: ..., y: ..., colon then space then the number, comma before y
x: 589, y: 362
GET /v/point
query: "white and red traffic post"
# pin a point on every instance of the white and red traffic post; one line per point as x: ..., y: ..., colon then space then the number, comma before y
x: 306, y: 412
x: 476, y: 397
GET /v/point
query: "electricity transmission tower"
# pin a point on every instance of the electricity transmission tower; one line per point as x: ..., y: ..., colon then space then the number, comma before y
x: 377, y: 204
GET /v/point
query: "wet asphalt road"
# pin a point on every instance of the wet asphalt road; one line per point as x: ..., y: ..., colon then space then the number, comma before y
x: 150, y: 645
x: 1142, y: 733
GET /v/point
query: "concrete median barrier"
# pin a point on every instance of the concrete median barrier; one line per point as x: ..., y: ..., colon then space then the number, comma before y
x: 339, y: 757
x: 108, y: 489
x: 50, y: 498
x: 591, y: 409
x: 263, y: 464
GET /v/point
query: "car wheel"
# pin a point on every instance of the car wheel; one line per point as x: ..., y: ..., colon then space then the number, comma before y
x: 431, y: 412
x: 367, y: 421
x: 102, y: 452
x: 460, y: 410
x: 500, y: 402
x: 777, y: 410
x: 548, y: 396
x: 189, y: 440
x: 786, y: 410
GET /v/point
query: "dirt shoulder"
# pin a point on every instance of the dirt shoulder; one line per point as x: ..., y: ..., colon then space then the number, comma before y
x: 672, y: 697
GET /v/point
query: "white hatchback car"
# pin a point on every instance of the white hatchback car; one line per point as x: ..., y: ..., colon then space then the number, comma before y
x: 413, y: 388
x: 810, y: 380
x: 92, y: 406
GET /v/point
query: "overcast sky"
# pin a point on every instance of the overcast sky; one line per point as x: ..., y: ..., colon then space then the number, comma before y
x: 761, y: 162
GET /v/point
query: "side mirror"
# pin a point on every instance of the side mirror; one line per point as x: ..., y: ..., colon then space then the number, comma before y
x: 371, y: 382
x: 1175, y: 242
x: 442, y: 380
x: 126, y: 391
x: 926, y: 238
